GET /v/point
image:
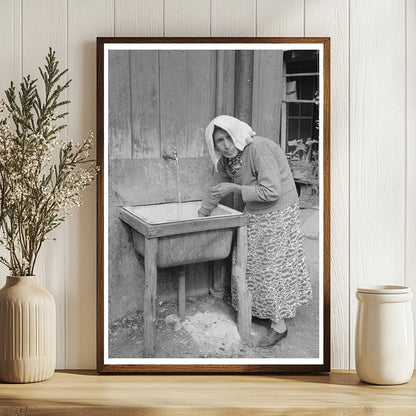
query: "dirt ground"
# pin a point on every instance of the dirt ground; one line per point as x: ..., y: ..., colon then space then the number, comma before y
x: 210, y: 331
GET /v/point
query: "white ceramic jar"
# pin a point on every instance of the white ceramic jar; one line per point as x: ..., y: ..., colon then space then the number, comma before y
x: 384, y: 343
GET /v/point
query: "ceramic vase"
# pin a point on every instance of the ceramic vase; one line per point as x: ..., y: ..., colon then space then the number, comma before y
x: 384, y: 352
x: 27, y: 331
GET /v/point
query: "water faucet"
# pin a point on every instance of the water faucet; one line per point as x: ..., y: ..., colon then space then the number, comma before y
x: 173, y: 155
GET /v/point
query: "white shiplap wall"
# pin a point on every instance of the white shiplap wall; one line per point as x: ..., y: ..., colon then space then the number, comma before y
x: 373, y: 132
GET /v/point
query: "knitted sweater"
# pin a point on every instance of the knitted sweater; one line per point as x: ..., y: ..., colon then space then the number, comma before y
x: 265, y: 176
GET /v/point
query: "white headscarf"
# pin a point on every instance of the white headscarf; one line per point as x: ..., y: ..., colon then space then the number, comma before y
x: 240, y: 133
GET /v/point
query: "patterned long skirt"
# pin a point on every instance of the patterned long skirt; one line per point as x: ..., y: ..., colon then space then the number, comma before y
x: 277, y: 276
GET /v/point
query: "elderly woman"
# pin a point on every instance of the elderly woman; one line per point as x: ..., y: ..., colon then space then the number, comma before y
x: 256, y: 168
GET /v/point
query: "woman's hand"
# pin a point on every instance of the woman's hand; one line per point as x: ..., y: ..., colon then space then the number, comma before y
x: 223, y: 189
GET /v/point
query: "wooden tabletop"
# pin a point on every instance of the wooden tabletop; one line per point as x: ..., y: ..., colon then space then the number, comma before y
x: 86, y: 393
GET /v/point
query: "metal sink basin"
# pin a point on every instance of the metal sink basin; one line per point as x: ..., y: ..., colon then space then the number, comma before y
x: 183, y: 238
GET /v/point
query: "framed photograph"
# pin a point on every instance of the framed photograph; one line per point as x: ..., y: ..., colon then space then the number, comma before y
x: 213, y: 205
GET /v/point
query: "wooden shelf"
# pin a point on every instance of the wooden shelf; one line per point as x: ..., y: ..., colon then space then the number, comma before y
x: 86, y: 393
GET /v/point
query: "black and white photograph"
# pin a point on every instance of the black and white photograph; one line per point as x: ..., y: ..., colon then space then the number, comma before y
x: 213, y: 214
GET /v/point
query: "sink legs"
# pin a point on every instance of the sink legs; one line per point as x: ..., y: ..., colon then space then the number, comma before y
x: 150, y: 286
x: 218, y: 273
x: 149, y: 307
x: 181, y: 292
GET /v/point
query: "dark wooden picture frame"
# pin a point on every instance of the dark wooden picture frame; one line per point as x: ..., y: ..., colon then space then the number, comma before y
x: 149, y: 235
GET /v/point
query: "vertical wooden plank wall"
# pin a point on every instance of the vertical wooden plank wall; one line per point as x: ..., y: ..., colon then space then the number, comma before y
x: 372, y: 130
x: 233, y: 18
x: 81, y: 241
x: 144, y: 87
x: 138, y: 17
x: 187, y: 18
x: 173, y: 103
x: 200, y: 103
x: 280, y: 18
x: 183, y: 116
x: 267, y: 96
x: 410, y: 25
x: 377, y: 147
x: 120, y: 122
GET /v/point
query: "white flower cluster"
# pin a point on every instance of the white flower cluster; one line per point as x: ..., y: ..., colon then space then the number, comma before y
x: 38, y: 188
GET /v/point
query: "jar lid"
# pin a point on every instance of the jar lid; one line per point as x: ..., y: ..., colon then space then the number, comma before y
x: 384, y: 289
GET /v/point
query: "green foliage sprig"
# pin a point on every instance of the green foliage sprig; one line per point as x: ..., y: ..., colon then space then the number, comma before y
x: 42, y: 175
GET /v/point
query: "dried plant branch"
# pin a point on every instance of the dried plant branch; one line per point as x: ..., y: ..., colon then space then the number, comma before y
x: 41, y: 175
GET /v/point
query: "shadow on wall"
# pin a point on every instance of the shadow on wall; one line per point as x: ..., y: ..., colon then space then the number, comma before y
x: 144, y: 182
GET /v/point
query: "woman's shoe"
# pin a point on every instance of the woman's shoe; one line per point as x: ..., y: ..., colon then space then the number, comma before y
x: 271, y: 338
x: 261, y: 321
